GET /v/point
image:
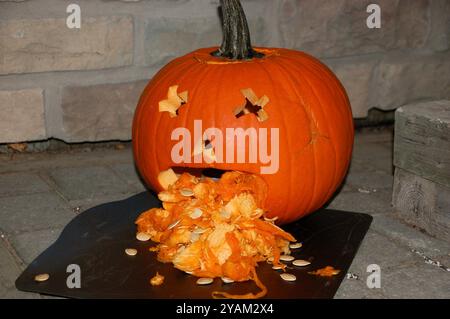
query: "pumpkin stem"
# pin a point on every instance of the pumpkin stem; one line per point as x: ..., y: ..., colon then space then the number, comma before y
x: 236, y: 43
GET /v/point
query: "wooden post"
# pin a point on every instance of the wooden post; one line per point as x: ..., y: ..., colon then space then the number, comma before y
x: 421, y: 193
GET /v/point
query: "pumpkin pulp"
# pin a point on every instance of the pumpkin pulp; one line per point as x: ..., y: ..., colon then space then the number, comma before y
x: 211, y: 229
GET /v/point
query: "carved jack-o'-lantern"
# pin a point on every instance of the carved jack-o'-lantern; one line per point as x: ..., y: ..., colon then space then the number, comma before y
x: 274, y: 112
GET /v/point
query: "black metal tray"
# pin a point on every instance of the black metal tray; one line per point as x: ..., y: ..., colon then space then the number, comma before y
x: 96, y: 239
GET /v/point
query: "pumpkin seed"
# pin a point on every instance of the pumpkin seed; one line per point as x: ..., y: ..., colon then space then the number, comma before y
x: 41, y: 277
x: 270, y: 220
x: 199, y: 230
x: 296, y: 245
x: 186, y: 192
x: 196, y: 213
x: 173, y: 225
x: 277, y: 267
x: 142, y: 237
x: 225, y: 214
x: 352, y: 276
x: 286, y: 258
x: 131, y: 251
x: 205, y: 281
x: 194, y: 237
x: 288, y: 277
x: 227, y: 280
x: 257, y: 213
x: 301, y: 263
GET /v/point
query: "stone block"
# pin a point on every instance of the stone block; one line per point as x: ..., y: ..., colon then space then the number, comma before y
x: 338, y: 28
x: 167, y: 38
x: 39, y: 45
x: 23, y: 115
x: 99, y: 112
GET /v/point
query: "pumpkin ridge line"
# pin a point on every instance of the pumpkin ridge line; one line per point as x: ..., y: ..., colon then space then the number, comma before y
x: 202, y: 74
x: 341, y: 92
x: 149, y: 94
x: 328, y: 76
x: 288, y: 142
x: 310, y: 118
x: 330, y: 140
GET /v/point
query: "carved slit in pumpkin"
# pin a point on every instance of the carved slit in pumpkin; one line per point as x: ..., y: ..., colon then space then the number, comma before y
x: 213, y: 173
x: 253, y: 105
x: 206, y: 148
x: 174, y: 101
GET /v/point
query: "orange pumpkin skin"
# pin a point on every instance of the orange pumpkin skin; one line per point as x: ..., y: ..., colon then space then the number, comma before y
x: 307, y: 103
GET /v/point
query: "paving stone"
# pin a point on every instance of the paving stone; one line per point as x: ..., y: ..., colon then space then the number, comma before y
x: 409, y: 237
x: 21, y: 183
x: 88, y: 182
x: 357, y: 289
x: 374, y: 156
x: 420, y: 281
x: 80, y: 205
x: 371, y: 180
x: 128, y: 172
x: 357, y: 167
x: 375, y: 249
x: 13, y: 293
x: 9, y: 270
x: 380, y: 250
x: 25, y: 213
x: 380, y: 135
x: 29, y: 245
x: 372, y: 203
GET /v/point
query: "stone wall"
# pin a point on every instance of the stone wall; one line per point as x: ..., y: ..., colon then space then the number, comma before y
x: 83, y: 84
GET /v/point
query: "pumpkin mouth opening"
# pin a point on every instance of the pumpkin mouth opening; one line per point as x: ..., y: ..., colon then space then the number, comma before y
x: 199, y: 172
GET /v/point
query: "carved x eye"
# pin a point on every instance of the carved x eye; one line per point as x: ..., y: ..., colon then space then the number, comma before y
x: 253, y: 105
x: 174, y: 101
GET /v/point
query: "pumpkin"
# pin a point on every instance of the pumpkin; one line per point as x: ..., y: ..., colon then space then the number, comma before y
x: 241, y: 87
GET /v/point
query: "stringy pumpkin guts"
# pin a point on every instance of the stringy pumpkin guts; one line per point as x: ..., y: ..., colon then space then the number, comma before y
x: 328, y: 271
x: 219, y: 231
x: 157, y: 280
